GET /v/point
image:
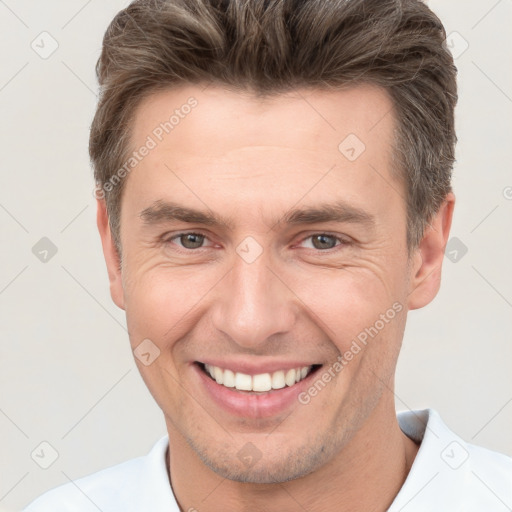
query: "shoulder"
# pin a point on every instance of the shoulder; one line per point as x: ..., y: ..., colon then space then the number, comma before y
x: 122, y: 487
x: 93, y: 492
x: 449, y: 473
x: 489, y: 478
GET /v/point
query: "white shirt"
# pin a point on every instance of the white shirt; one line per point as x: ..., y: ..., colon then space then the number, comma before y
x: 447, y: 475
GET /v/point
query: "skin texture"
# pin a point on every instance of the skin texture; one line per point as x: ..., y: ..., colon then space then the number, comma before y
x: 250, y: 161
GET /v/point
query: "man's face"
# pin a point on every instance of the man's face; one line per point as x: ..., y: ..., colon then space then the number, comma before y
x: 261, y: 288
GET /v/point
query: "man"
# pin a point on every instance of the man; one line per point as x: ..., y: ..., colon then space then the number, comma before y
x: 273, y: 184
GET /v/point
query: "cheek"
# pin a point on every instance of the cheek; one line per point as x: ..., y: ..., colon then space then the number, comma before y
x: 361, y: 311
x: 160, y: 302
x: 161, y: 306
x: 348, y: 302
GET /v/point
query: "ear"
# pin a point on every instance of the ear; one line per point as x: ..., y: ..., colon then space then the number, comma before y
x: 428, y: 257
x: 111, y: 255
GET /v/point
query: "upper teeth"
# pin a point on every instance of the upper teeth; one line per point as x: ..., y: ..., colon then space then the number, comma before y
x: 260, y: 382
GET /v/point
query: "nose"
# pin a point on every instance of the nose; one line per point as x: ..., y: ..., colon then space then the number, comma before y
x: 253, y: 303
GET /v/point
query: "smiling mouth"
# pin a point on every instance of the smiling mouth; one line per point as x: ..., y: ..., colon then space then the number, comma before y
x: 261, y: 383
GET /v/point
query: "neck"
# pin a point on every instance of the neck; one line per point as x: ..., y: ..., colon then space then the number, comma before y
x: 365, y: 475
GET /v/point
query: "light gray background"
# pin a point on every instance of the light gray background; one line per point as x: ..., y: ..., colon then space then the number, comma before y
x: 67, y: 374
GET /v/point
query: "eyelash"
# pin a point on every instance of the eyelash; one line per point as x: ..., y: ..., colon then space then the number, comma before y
x: 342, y: 241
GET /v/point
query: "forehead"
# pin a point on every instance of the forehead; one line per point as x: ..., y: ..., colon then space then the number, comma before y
x: 211, y: 120
x: 209, y: 145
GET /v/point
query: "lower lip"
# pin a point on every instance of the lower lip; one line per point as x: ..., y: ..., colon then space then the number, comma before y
x: 248, y: 405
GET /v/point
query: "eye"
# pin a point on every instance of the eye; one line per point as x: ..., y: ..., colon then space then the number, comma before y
x: 317, y: 241
x: 323, y: 241
x: 188, y: 241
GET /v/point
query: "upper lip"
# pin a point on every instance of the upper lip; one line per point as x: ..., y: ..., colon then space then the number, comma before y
x: 256, y: 368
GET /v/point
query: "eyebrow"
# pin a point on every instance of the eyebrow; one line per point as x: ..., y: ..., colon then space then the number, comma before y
x: 164, y: 211
x: 336, y: 212
x: 341, y: 212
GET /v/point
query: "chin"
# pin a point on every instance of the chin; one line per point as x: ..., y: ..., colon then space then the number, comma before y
x: 273, y: 466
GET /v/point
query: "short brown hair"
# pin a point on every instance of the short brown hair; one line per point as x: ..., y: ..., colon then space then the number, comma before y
x: 270, y: 47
